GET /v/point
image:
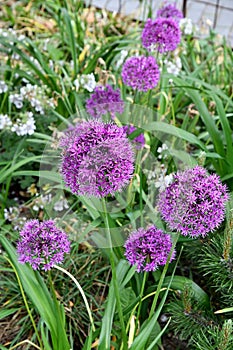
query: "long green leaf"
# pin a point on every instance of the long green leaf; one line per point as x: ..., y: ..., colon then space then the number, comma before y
x: 5, y: 173
x: 227, y: 132
x: 140, y: 341
x: 7, y: 312
x: 71, y: 38
x: 124, y: 273
x: 37, y: 291
x: 173, y: 130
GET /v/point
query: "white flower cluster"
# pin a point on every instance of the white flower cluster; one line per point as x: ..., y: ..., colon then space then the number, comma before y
x: 174, y: 67
x: 86, y: 81
x: 25, y: 125
x: 187, y: 26
x: 5, y: 121
x: 17, y: 100
x: 162, y: 151
x: 3, y: 87
x: 12, y: 214
x: 157, y: 178
x: 41, y: 201
x: 61, y: 204
x: 35, y: 95
x: 163, y: 180
x: 11, y: 33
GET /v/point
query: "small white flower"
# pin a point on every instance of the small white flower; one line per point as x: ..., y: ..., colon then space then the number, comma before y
x: 37, y: 105
x: 87, y: 81
x: 61, y: 205
x: 15, y: 56
x: 24, y: 127
x: 35, y: 207
x: 76, y: 84
x: 41, y: 201
x: 11, y: 213
x: 30, y: 126
x: 186, y: 26
x: 17, y: 100
x: 163, y: 181
x: 162, y: 150
x: 3, y: 87
x: 21, y: 37
x: 174, y: 67
x: 4, y: 121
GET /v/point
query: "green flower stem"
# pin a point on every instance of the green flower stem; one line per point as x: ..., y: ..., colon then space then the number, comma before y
x: 145, y: 275
x: 136, y: 97
x: 172, y: 107
x: 81, y: 292
x: 141, y: 200
x: 56, y: 303
x: 149, y: 102
x: 163, y: 276
x: 26, y: 304
x: 131, y: 197
x: 114, y: 278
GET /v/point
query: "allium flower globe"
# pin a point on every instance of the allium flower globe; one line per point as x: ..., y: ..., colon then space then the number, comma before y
x: 162, y: 34
x: 170, y: 10
x: 104, y: 100
x: 140, y: 73
x: 148, y: 248
x: 97, y: 158
x: 194, y: 203
x: 42, y: 244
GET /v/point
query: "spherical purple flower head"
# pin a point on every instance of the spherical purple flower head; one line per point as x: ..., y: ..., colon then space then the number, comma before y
x: 170, y: 10
x: 194, y: 203
x: 140, y: 73
x: 162, y: 34
x: 97, y: 159
x: 103, y: 100
x: 138, y: 140
x: 148, y: 249
x: 42, y: 244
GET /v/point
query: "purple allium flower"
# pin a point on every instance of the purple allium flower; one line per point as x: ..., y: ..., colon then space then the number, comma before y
x: 42, y: 244
x: 97, y: 158
x: 148, y: 248
x: 170, y: 10
x: 140, y: 73
x: 162, y: 34
x: 138, y: 140
x: 104, y: 100
x: 194, y: 203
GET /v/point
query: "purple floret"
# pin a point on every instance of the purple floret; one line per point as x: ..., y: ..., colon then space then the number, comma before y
x: 105, y: 100
x: 170, y: 10
x: 162, y: 34
x: 97, y: 159
x: 194, y: 203
x: 148, y: 248
x: 42, y: 244
x: 140, y: 73
x: 138, y: 140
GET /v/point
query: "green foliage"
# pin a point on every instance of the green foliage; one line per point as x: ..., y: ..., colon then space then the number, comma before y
x: 217, y: 338
x: 34, y: 286
x: 192, y: 112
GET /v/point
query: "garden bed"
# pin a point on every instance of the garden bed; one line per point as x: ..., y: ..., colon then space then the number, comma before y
x: 116, y: 180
